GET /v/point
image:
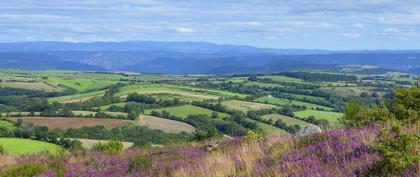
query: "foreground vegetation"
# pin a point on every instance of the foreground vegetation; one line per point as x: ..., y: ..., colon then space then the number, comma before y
x: 214, y: 125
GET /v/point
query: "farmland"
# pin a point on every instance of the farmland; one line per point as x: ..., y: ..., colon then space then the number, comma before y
x: 66, y: 122
x: 169, y: 126
x: 17, y: 146
x: 332, y: 117
x: 185, y: 111
x: 246, y: 106
x: 283, y: 102
x: 171, y: 108
x: 285, y: 119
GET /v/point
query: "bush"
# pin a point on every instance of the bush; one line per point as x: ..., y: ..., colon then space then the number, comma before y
x: 140, y: 163
x: 252, y: 136
x: 399, y: 150
x: 25, y: 169
x: 111, y: 147
x: 2, y: 150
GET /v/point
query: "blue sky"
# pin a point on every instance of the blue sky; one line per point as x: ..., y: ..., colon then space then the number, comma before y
x: 324, y: 24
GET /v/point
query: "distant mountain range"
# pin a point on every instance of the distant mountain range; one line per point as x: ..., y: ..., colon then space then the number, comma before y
x: 191, y: 57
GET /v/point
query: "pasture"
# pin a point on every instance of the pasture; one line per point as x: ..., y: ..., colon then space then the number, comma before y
x: 267, y: 128
x: 7, y: 125
x: 282, y: 79
x: 165, y: 125
x: 88, y: 143
x: 31, y: 85
x: 18, y: 146
x: 286, y: 119
x: 245, y: 105
x: 65, y: 123
x: 81, y: 84
x: 76, y: 97
x: 186, y: 110
x: 332, y: 117
x: 283, y: 102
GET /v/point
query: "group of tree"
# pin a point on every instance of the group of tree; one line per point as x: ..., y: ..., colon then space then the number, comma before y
x: 397, y: 146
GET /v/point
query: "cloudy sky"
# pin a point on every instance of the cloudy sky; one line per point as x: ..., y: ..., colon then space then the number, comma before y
x: 324, y: 24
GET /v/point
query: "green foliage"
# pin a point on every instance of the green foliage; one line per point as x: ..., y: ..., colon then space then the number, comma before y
x: 399, y: 150
x: 24, y: 170
x: 406, y: 105
x: 357, y: 114
x: 252, y: 136
x: 140, y: 163
x: 203, y: 134
x: 111, y: 147
x: 2, y: 150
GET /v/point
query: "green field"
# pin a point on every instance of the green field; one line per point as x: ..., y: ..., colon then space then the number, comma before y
x: 262, y: 84
x: 81, y: 84
x: 186, y: 110
x: 7, y: 125
x: 285, y: 119
x: 76, y: 97
x: 283, y: 102
x: 267, y: 128
x: 332, y: 117
x: 245, y: 105
x: 282, y: 79
x: 18, y: 146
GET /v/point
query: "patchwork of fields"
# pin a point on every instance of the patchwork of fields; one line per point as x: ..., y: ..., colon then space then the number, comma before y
x: 258, y: 102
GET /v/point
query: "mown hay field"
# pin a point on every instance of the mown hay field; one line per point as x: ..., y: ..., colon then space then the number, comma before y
x: 68, y: 122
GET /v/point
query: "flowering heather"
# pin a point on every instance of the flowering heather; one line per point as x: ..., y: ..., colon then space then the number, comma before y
x: 341, y: 152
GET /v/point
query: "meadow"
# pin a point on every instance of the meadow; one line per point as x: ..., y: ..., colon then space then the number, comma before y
x: 332, y: 117
x: 246, y: 106
x: 165, y: 125
x: 18, y: 146
x: 286, y: 119
x: 65, y: 123
x: 283, y: 102
x: 186, y: 110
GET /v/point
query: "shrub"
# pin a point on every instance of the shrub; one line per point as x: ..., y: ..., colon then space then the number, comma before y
x: 25, y: 169
x: 2, y: 150
x: 140, y: 163
x: 399, y: 150
x: 357, y: 114
x: 252, y: 136
x: 111, y: 147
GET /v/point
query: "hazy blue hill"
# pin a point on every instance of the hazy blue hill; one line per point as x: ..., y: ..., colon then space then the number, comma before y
x: 192, y: 57
x: 37, y: 61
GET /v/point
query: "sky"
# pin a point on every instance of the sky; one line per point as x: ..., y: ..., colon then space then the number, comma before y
x: 309, y: 24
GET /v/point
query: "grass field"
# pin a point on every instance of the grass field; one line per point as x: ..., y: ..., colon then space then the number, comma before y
x: 186, y: 110
x: 283, y: 102
x: 18, y: 146
x: 261, y: 84
x: 282, y: 79
x: 81, y: 84
x: 88, y: 143
x: 147, y: 88
x: 88, y: 113
x: 245, y: 105
x: 7, y: 125
x: 286, y: 119
x: 267, y: 128
x: 76, y: 97
x: 332, y: 117
x: 32, y: 86
x: 165, y: 125
x: 67, y: 122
